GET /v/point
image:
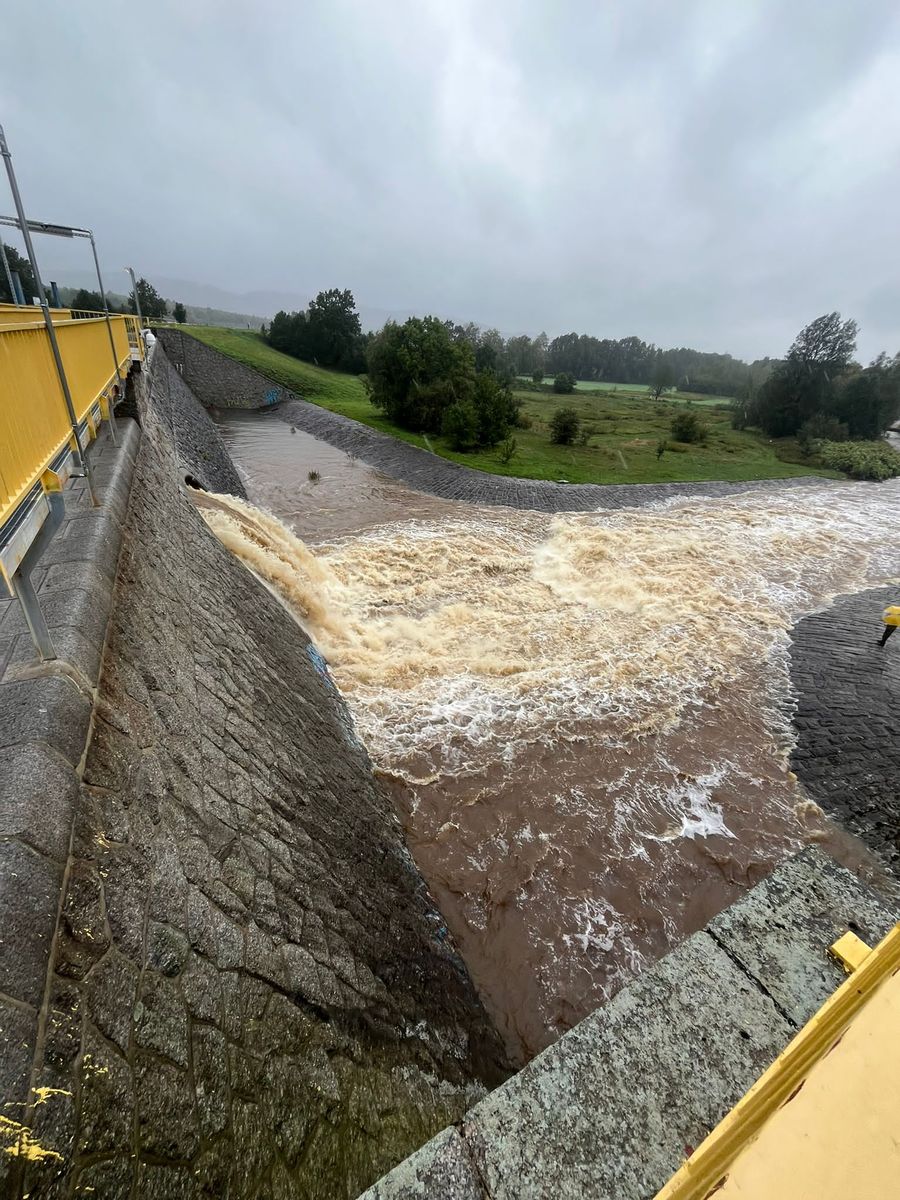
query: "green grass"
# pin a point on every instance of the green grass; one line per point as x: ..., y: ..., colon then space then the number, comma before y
x: 627, y: 426
x: 636, y: 389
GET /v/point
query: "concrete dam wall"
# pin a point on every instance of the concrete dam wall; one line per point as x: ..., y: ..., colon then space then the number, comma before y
x: 246, y: 989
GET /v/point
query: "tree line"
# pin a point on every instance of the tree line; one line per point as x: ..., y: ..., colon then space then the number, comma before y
x: 434, y: 376
x: 818, y: 392
x: 329, y: 333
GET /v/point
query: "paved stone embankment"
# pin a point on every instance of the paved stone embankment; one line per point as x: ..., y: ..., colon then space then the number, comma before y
x: 223, y: 974
x: 217, y: 380
x: 451, y: 481
x: 196, y: 440
x: 848, y: 702
x: 612, y: 1108
x: 220, y: 381
x: 45, y: 719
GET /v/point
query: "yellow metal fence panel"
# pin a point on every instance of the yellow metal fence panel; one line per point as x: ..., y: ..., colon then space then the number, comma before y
x: 34, y: 421
x: 88, y: 359
x: 30, y: 314
x: 34, y: 424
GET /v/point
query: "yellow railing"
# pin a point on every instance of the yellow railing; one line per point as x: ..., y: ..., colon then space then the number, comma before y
x: 34, y: 422
x: 850, y: 1117
x: 29, y: 314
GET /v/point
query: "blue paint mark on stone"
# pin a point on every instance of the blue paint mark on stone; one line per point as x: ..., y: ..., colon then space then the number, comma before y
x: 318, y: 661
x: 272, y: 395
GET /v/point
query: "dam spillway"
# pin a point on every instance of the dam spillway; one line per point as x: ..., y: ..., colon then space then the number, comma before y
x: 585, y: 718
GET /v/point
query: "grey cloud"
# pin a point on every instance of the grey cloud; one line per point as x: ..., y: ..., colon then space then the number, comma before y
x: 703, y: 174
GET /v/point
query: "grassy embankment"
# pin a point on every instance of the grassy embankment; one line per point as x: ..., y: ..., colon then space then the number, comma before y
x: 627, y: 425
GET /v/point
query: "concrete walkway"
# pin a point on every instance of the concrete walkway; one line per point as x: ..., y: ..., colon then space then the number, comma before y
x: 612, y: 1108
x: 848, y: 704
x: 440, y: 477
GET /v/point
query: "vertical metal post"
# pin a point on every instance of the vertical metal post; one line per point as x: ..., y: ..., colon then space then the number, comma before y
x: 20, y: 293
x: 48, y: 321
x: 24, y: 592
x: 134, y: 292
x: 112, y: 345
x: 9, y: 278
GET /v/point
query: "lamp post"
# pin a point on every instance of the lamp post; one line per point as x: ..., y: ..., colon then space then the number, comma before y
x: 137, y: 299
x: 80, y: 451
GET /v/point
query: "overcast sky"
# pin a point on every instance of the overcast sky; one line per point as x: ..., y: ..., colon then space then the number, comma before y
x: 698, y: 173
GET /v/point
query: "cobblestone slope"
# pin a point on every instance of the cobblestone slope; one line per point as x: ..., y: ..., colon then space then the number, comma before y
x: 251, y: 992
x: 848, y: 701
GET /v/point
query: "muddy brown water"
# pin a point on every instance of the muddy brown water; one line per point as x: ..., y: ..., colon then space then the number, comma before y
x: 584, y: 720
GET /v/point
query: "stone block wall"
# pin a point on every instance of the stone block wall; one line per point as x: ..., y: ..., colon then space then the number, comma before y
x: 250, y: 992
x: 217, y: 380
x: 847, y: 753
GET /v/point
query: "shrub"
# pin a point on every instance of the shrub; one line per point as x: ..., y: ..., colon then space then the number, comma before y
x: 523, y: 421
x: 537, y: 376
x: 460, y: 425
x: 564, y: 426
x: 687, y: 427
x: 821, y: 428
x: 564, y: 383
x: 507, y: 450
x: 861, y: 460
x: 495, y: 407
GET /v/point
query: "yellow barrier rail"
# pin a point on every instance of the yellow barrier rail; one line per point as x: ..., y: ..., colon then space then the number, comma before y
x: 867, y: 1117
x: 34, y: 423
x: 22, y: 314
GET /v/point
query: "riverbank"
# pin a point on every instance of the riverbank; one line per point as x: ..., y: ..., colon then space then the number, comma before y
x: 622, y: 429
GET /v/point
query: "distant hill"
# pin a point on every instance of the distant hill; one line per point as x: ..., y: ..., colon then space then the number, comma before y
x: 220, y: 317
x: 265, y: 303
x: 196, y: 314
x: 210, y: 305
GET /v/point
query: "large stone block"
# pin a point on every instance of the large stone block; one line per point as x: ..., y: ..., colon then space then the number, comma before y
x: 611, y: 1109
x: 38, y: 790
x: 779, y: 932
x: 49, y: 709
x: 443, y: 1167
x: 29, y: 895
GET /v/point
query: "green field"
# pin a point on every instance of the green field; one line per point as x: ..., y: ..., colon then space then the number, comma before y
x: 626, y: 426
x: 636, y: 389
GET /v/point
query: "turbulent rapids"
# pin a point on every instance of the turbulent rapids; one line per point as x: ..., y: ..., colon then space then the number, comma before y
x: 584, y: 719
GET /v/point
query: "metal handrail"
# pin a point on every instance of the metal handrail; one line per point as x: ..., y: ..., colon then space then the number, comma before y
x: 34, y: 423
